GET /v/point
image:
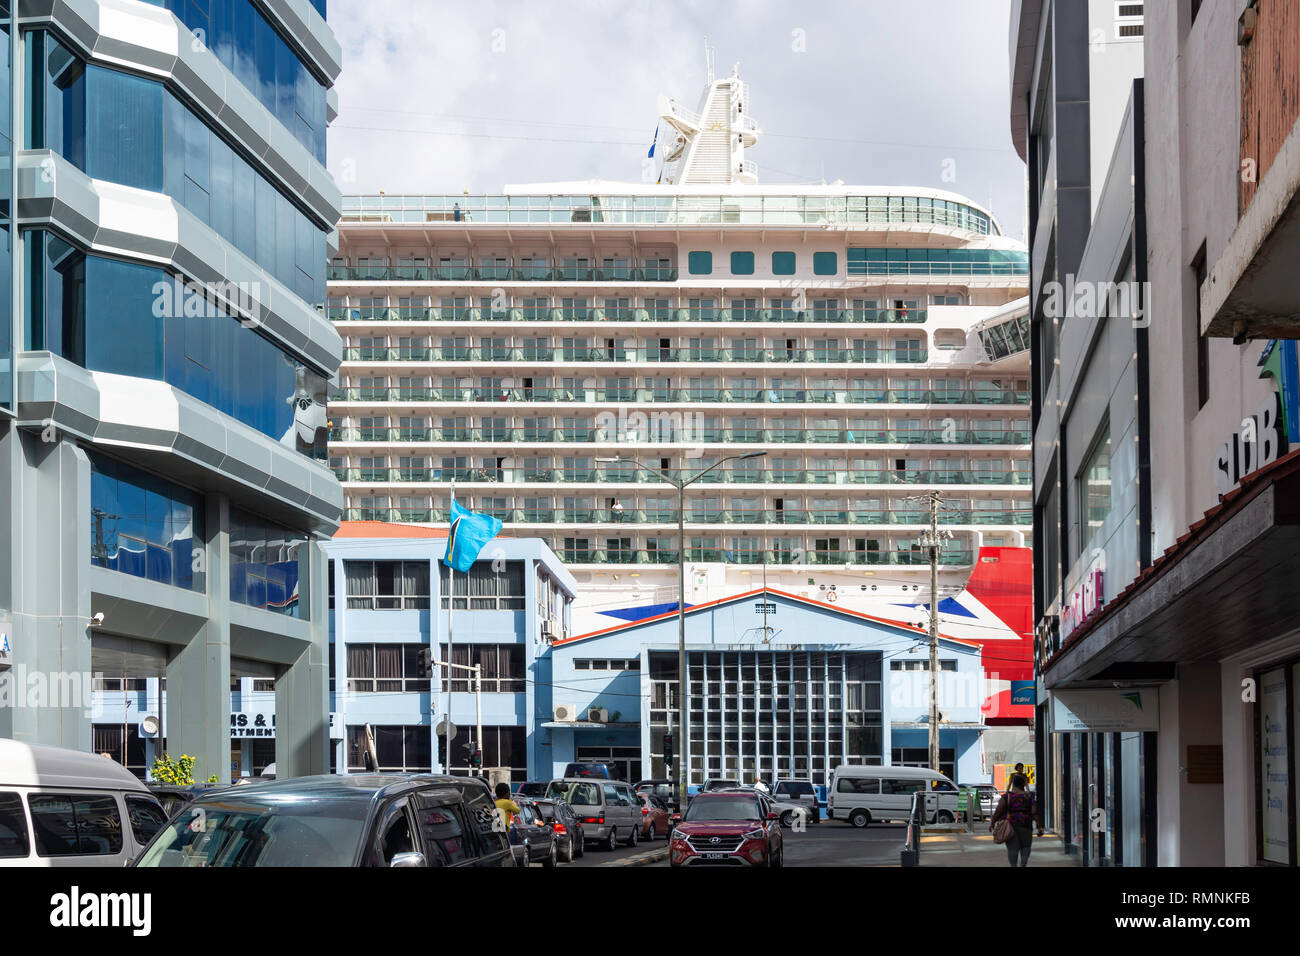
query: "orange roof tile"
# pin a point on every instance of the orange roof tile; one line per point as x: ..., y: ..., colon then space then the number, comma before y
x: 385, y: 529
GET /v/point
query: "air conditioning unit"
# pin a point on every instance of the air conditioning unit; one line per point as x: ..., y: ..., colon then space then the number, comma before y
x: 598, y: 715
x: 565, y: 713
x: 548, y: 631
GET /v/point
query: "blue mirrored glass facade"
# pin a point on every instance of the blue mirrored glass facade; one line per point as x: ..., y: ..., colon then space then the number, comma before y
x: 264, y: 564
x: 131, y: 319
x: 130, y: 130
x: 6, y: 222
x: 250, y: 47
x: 145, y: 526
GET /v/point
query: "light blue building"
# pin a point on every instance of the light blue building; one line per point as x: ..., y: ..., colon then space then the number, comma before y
x: 391, y: 600
x: 780, y: 685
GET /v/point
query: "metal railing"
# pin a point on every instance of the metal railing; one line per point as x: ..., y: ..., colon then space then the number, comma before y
x: 571, y: 475
x: 727, y: 395
x: 656, y: 314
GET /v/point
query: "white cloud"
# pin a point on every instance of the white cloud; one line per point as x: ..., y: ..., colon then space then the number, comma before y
x: 529, y: 92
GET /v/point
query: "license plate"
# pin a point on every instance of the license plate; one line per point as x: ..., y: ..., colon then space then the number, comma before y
x: 715, y: 856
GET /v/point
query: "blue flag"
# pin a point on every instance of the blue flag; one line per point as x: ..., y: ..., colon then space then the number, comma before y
x: 653, y: 139
x: 469, y: 533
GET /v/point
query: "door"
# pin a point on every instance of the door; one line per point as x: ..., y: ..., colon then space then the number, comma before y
x: 444, y: 831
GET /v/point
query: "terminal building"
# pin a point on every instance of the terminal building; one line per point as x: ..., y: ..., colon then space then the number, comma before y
x: 163, y: 487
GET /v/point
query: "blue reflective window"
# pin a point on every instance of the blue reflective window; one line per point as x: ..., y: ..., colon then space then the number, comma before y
x: 700, y: 263
x: 130, y: 130
x: 264, y: 564
x: 742, y: 263
x: 251, y: 48
x: 825, y: 263
x: 783, y: 263
x: 132, y: 319
x: 143, y: 525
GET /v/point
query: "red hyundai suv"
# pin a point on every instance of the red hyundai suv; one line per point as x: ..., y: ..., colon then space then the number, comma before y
x: 727, y: 828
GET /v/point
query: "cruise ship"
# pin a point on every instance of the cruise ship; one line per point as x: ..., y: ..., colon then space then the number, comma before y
x: 824, y: 357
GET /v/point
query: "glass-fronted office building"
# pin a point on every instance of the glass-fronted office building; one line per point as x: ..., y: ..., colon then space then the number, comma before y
x: 163, y: 427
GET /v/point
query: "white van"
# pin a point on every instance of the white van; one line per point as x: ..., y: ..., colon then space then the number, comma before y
x: 866, y: 795
x: 67, y: 808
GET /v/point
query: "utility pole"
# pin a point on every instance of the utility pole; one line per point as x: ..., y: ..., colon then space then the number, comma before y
x: 934, y: 631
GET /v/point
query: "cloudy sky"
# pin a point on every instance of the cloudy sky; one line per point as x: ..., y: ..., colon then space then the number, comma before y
x: 442, y: 96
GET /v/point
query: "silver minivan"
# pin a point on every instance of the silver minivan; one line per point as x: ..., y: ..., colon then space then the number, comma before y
x: 63, y: 807
x: 609, y: 809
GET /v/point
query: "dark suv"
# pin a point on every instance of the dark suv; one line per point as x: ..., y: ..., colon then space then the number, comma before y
x: 332, y: 820
x: 728, y: 828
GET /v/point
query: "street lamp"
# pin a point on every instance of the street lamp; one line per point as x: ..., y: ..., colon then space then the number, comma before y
x: 681, y: 484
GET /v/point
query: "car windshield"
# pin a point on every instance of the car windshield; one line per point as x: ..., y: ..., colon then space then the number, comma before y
x: 722, y: 784
x: 314, y: 833
x: 575, y: 794
x: 795, y: 789
x: 723, y: 808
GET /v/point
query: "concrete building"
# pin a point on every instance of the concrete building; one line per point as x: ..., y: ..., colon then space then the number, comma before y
x: 390, y: 599
x: 164, y: 378
x: 1185, y: 635
x: 869, y: 339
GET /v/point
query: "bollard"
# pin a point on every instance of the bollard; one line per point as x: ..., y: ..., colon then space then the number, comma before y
x: 910, y: 855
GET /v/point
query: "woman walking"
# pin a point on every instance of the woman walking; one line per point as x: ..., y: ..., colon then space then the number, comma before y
x: 1020, y: 809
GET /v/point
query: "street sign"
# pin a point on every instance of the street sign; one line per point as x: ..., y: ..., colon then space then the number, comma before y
x: 445, y: 728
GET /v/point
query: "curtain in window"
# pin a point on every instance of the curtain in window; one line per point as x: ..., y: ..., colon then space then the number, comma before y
x: 360, y: 577
x: 485, y: 655
x: 415, y: 583
x: 361, y: 666
x: 388, y: 666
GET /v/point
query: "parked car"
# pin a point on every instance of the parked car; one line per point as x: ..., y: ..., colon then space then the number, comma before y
x: 609, y: 809
x: 866, y: 795
x: 174, y: 798
x: 395, y: 820
x: 665, y: 790
x: 656, y: 818
x: 565, y: 824
x: 590, y: 770
x: 718, y: 783
x: 799, y: 791
x: 786, y: 811
x: 533, y: 788
x: 531, y: 838
x: 61, y: 807
x: 728, y: 828
x: 985, y: 793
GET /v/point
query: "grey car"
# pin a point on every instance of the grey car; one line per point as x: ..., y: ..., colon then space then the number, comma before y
x: 801, y: 792
x: 609, y: 809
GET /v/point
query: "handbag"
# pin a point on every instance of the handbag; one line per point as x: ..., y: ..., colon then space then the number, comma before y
x: 1002, y: 831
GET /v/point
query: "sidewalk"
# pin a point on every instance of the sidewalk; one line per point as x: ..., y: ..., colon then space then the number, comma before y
x: 959, y: 848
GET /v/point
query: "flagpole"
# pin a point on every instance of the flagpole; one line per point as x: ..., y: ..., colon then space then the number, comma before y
x: 451, y: 655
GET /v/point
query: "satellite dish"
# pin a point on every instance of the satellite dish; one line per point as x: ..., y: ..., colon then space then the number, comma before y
x: 149, y: 725
x: 445, y: 728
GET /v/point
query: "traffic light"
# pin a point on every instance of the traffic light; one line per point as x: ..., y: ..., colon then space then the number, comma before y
x: 424, y: 668
x: 668, y: 750
x: 476, y: 759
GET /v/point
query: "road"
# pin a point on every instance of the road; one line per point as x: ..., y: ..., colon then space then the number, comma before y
x: 824, y: 844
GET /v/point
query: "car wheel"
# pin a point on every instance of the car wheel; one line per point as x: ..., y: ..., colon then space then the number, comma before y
x: 551, y: 858
x: 611, y: 839
x: 568, y: 852
x: 632, y: 836
x: 860, y: 819
x: 581, y: 848
x: 787, y: 819
x: 780, y: 858
x: 945, y: 816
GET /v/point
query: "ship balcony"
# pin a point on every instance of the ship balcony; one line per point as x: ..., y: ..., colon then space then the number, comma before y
x: 756, y: 479
x: 782, y: 317
x: 374, y: 395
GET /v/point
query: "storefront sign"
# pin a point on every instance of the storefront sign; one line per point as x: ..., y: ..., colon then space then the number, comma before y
x: 1024, y: 692
x: 1274, y: 764
x: 252, y: 724
x: 1105, y: 710
x: 1086, y: 601
x: 1258, y: 442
